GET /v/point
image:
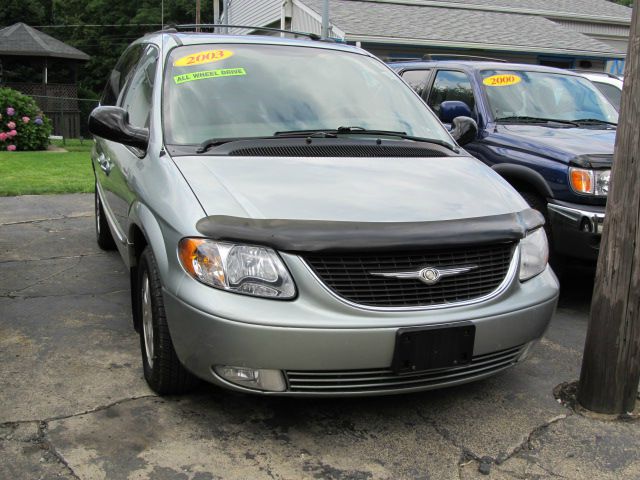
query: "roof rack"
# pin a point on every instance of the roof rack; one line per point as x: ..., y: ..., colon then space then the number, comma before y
x: 402, y: 59
x: 433, y: 57
x: 191, y: 26
x: 453, y: 56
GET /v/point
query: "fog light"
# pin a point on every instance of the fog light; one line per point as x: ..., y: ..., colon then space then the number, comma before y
x: 255, y: 378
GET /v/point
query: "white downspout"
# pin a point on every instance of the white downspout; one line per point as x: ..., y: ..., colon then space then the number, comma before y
x: 325, y: 19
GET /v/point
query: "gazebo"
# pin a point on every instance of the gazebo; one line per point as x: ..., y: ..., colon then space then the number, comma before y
x: 45, y: 68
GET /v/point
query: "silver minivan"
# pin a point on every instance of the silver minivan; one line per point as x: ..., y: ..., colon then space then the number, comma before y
x: 296, y: 221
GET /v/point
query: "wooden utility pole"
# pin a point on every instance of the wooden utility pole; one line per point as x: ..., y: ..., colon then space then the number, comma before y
x: 611, y: 363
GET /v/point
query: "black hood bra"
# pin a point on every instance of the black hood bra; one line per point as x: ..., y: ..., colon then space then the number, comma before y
x: 339, y: 236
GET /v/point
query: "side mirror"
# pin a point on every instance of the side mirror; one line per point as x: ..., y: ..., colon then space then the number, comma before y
x: 452, y: 109
x: 465, y: 130
x: 112, y: 123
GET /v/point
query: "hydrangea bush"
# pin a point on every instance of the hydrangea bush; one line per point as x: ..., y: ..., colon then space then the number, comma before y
x: 22, y: 124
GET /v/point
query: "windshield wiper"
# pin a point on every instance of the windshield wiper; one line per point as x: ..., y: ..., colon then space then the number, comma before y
x: 321, y: 132
x: 332, y: 132
x: 215, y: 142
x: 364, y: 131
x: 325, y: 133
x: 367, y: 131
x: 526, y: 119
x: 593, y: 121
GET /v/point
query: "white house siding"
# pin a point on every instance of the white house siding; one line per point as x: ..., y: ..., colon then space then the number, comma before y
x: 614, y: 35
x: 595, y: 29
x: 303, y: 19
x: 254, y: 12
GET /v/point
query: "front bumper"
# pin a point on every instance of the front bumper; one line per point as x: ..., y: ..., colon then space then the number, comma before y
x: 355, y: 344
x: 576, y: 229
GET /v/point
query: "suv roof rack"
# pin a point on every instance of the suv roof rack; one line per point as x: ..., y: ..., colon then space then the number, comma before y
x: 191, y: 26
x: 453, y: 56
x: 435, y: 57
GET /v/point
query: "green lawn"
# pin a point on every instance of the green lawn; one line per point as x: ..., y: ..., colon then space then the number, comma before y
x: 27, y: 173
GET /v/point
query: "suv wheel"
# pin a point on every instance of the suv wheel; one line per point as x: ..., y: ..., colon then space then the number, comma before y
x: 162, y: 369
x: 103, y: 234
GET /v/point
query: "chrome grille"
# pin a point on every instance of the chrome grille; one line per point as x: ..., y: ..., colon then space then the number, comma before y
x: 349, y: 275
x: 354, y: 381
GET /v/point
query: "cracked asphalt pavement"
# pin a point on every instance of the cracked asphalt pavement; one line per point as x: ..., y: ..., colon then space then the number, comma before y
x: 74, y: 404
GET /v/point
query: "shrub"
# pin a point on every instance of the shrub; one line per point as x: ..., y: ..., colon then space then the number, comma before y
x: 22, y: 125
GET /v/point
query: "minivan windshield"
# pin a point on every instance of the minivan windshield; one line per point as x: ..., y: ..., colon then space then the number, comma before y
x: 517, y: 94
x: 251, y: 90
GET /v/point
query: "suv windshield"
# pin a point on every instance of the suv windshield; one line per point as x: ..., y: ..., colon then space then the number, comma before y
x: 242, y: 90
x: 545, y: 96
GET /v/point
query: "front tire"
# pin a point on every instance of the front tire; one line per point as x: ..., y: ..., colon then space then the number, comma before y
x: 103, y: 234
x: 162, y: 369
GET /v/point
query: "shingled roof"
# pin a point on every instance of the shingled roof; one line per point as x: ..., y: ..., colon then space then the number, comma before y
x: 576, y: 9
x: 418, y: 22
x: 21, y: 39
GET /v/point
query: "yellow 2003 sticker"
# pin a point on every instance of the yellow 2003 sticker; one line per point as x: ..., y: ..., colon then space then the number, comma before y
x: 221, y: 72
x: 199, y: 58
x: 503, y: 80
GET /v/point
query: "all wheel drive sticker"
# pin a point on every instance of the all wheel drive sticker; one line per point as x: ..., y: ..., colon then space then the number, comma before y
x: 221, y: 72
x: 503, y: 80
x: 206, y: 56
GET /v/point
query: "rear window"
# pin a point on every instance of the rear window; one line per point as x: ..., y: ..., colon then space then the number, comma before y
x: 240, y: 91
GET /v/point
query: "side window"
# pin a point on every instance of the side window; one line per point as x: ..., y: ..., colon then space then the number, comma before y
x: 120, y: 74
x: 137, y: 97
x: 450, y: 85
x: 417, y: 79
x: 613, y: 94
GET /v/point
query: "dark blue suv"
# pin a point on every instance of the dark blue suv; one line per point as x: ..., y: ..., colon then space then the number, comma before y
x: 550, y: 133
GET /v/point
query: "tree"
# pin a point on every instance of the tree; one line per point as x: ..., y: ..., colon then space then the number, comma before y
x: 32, y: 12
x: 123, y: 21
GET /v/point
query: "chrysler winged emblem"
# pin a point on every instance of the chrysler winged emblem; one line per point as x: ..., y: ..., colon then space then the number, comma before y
x: 428, y: 275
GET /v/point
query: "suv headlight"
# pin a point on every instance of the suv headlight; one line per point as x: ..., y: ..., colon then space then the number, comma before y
x: 592, y: 182
x: 239, y: 268
x: 534, y: 254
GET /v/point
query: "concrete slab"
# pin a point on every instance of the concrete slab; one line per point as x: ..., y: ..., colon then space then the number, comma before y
x: 48, y: 239
x: 29, y: 208
x: 29, y: 454
x: 96, y: 274
x: 221, y: 435
x: 580, y: 448
x: 74, y: 404
x: 66, y: 354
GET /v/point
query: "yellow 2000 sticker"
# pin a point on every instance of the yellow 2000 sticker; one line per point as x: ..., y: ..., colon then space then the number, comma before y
x: 503, y: 80
x: 221, y: 72
x: 199, y: 58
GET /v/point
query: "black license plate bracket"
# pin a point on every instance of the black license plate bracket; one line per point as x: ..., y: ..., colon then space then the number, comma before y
x: 427, y: 348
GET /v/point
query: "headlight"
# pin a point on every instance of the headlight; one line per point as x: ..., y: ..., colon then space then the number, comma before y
x: 534, y: 254
x: 593, y: 182
x: 247, y: 269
